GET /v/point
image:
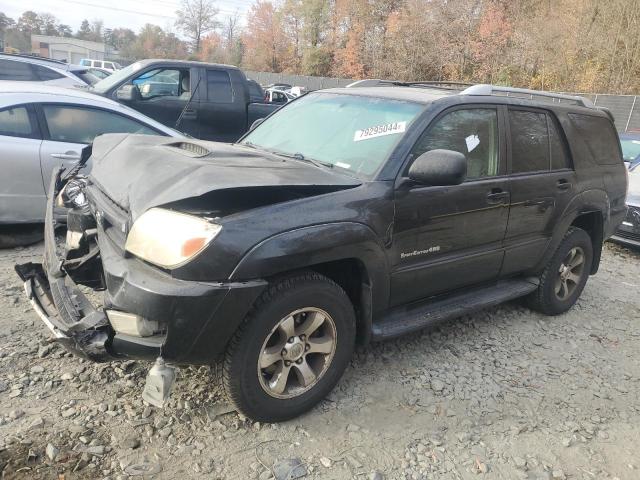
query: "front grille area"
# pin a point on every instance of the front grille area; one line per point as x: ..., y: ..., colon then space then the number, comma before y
x: 110, y: 217
x: 628, y: 235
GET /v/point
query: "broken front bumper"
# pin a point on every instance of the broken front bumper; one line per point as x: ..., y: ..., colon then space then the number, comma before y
x: 197, y: 318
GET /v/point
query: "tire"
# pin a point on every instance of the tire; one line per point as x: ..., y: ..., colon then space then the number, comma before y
x: 293, y: 304
x: 547, y: 299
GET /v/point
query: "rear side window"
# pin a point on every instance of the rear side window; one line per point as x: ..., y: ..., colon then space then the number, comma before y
x: 600, y: 137
x: 529, y: 141
x: 45, y: 73
x: 82, y: 125
x: 85, y: 63
x: 20, y: 71
x: 219, y: 87
x: 15, y: 122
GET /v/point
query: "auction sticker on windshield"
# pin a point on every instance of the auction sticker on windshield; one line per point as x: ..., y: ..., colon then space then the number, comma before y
x: 379, y: 131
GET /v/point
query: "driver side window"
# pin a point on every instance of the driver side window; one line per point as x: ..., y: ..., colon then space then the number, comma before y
x: 472, y: 132
x: 164, y: 82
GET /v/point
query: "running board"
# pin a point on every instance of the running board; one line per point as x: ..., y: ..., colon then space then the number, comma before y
x: 418, y: 315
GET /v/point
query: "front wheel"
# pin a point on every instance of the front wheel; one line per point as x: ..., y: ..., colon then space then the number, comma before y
x: 565, y: 275
x: 291, y: 350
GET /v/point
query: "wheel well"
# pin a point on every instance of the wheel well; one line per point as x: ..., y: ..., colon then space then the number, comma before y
x: 351, y: 274
x: 591, y: 223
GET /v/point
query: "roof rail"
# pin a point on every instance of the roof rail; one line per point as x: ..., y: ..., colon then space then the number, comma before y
x: 485, y: 90
x: 396, y: 83
x: 34, y: 56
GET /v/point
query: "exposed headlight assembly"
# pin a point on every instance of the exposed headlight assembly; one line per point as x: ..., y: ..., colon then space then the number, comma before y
x: 169, y: 239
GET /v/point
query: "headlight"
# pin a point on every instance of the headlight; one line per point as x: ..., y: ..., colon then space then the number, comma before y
x: 169, y: 239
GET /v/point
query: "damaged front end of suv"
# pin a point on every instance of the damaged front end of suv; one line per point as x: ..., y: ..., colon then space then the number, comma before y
x: 120, y: 284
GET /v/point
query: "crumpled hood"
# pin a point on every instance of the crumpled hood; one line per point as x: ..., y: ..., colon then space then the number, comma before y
x: 142, y: 171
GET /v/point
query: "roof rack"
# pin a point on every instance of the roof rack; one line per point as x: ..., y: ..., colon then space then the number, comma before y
x: 396, y: 83
x: 485, y: 90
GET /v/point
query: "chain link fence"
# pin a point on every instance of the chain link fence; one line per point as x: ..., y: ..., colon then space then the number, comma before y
x: 625, y: 108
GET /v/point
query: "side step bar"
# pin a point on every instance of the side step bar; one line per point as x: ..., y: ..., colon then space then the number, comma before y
x: 418, y: 315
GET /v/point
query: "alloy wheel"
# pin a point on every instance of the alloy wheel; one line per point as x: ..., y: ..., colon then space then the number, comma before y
x: 570, y: 273
x: 297, y: 353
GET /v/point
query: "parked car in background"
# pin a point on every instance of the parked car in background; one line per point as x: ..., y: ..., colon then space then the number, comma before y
x: 204, y: 100
x: 391, y: 208
x: 630, y: 143
x: 43, y: 127
x: 272, y: 95
x: 278, y: 86
x: 628, y: 232
x: 106, y: 64
x: 28, y: 68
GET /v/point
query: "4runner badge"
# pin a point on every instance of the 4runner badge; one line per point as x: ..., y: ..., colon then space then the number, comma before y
x: 435, y: 248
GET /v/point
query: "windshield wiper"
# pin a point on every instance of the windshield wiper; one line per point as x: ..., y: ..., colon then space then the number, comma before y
x: 302, y: 158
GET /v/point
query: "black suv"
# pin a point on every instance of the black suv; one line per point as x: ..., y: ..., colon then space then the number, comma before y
x: 350, y: 215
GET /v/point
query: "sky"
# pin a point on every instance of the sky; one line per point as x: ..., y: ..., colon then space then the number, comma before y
x: 116, y: 13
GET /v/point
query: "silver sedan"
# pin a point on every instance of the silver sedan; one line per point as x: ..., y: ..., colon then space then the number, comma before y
x: 42, y: 127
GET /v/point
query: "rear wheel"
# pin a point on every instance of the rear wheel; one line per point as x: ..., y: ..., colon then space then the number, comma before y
x: 565, y: 275
x: 291, y: 349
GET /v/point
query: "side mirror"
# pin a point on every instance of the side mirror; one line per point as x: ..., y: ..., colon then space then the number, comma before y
x: 439, y: 168
x: 256, y: 124
x: 127, y: 93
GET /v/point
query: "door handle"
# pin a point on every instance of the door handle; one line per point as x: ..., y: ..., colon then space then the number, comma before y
x: 563, y: 184
x: 189, y: 113
x: 497, y: 195
x: 66, y: 156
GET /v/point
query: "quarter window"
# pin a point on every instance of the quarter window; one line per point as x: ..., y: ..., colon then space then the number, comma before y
x: 82, y: 125
x: 45, y: 73
x: 14, y: 122
x: 472, y: 132
x: 219, y: 87
x: 600, y: 137
x: 529, y: 141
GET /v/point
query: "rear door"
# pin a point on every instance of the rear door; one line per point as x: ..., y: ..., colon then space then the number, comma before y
x: 542, y: 183
x: 22, y: 196
x: 451, y: 237
x: 68, y: 128
x: 223, y: 107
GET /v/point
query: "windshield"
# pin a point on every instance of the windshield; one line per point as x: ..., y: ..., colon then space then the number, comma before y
x: 116, y: 77
x: 630, y: 149
x: 351, y: 132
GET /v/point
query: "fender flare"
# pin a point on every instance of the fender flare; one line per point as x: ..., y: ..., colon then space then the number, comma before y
x: 589, y: 201
x: 317, y: 244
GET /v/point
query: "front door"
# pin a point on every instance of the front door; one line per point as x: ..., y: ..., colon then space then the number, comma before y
x: 450, y: 237
x: 166, y: 93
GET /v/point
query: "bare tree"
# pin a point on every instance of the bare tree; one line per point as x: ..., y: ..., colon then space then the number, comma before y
x: 196, y: 18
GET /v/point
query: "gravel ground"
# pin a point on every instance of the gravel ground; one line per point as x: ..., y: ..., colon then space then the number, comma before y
x: 505, y: 393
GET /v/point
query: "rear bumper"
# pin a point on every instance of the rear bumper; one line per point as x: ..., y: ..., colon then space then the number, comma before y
x: 197, y: 318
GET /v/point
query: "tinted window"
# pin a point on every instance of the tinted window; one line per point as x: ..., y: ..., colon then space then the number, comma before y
x: 472, y: 132
x: 600, y: 137
x: 45, y: 73
x: 82, y: 125
x: 529, y: 141
x: 255, y: 92
x: 11, y: 70
x: 559, y: 158
x: 14, y: 122
x: 219, y: 87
